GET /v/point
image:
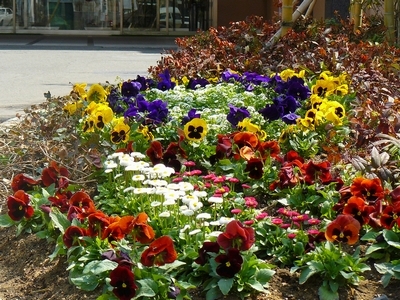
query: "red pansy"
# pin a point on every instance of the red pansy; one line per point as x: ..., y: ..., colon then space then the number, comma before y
x: 142, y: 232
x: 236, y: 236
x: 72, y: 234
x: 18, y: 206
x: 319, y: 171
x: 369, y: 189
x: 123, y: 282
x: 118, y: 228
x: 255, y: 168
x: 229, y: 264
x: 155, y: 152
x: 23, y: 182
x: 357, y: 207
x: 160, y: 252
x: 55, y: 174
x: 208, y: 247
x: 344, y: 228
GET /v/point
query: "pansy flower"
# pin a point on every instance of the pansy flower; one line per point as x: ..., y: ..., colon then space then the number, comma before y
x: 237, y: 114
x: 195, y: 83
x: 166, y: 83
x: 157, y: 111
x: 345, y: 228
x: 118, y: 228
x: 390, y: 216
x: 195, y: 130
x: 255, y: 168
x: 208, y: 247
x: 96, y: 93
x: 229, y: 263
x: 141, y: 231
x: 160, y: 252
x: 72, y: 234
x: 19, y: 206
x: 23, y: 182
x: 190, y: 116
x: 123, y: 282
x: 130, y: 88
x: 369, y: 189
x: 357, y: 207
x: 236, y: 236
x: 120, y: 132
x: 314, y: 171
x: 55, y: 174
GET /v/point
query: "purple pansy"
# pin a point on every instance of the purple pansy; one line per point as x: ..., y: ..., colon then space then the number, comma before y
x: 237, y: 114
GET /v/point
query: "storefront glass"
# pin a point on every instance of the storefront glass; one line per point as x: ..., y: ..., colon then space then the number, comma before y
x: 138, y: 16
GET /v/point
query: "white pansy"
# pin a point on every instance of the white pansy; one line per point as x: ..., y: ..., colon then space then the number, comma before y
x: 155, y: 203
x: 193, y: 232
x: 165, y: 214
x: 195, y: 205
x: 187, y: 212
x: 125, y: 160
x: 110, y: 164
x: 173, y: 186
x: 128, y: 189
x: 133, y: 166
x: 186, y: 227
x: 215, y: 200
x: 185, y: 186
x: 203, y: 216
x: 200, y: 194
x: 156, y: 182
x: 214, y: 233
x: 225, y: 220
x: 187, y: 198
x: 169, y: 202
x: 138, y: 155
x: 138, y: 177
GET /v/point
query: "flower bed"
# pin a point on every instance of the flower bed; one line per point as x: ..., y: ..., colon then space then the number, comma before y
x: 213, y: 183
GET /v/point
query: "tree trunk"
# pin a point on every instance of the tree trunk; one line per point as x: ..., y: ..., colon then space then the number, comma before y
x: 389, y: 21
x: 296, y: 14
x: 287, y: 11
x: 356, y: 9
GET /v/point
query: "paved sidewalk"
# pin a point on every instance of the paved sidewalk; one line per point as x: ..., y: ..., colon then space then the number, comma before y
x: 32, y: 65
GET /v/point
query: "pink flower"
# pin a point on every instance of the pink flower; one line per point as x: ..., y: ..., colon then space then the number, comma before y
x: 251, y: 202
x: 248, y: 222
x: 291, y: 236
x: 261, y: 216
x: 233, y: 180
x: 313, y: 221
x: 277, y: 221
x: 236, y: 211
x: 246, y: 186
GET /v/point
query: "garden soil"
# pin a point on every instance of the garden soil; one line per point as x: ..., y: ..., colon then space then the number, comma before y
x: 27, y: 273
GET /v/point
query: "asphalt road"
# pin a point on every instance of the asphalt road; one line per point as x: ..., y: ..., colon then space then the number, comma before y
x: 31, y: 65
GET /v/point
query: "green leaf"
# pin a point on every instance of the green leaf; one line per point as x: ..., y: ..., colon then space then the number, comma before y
x: 225, y: 285
x: 306, y: 273
x: 60, y: 221
x: 386, y: 279
x: 86, y: 282
x: 382, y: 268
x: 390, y: 236
x: 375, y: 247
x: 97, y: 267
x: 325, y: 293
x: 256, y: 285
x: 264, y: 275
x: 148, y: 288
x: 6, y: 221
x: 213, y: 294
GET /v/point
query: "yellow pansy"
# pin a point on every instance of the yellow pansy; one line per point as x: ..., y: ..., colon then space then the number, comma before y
x: 103, y: 115
x: 97, y: 93
x: 80, y: 90
x: 144, y: 130
x: 72, y: 107
x: 195, y: 130
x: 120, y: 132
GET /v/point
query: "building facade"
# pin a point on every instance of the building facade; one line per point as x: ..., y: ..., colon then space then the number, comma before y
x: 134, y: 17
